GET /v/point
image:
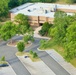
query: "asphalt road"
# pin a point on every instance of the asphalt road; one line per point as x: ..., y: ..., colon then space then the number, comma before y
x: 19, y: 69
x: 9, y: 53
x: 48, y: 60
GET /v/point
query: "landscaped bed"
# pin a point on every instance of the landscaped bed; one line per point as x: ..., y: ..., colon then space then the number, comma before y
x: 28, y: 55
x: 3, y: 64
x: 14, y: 43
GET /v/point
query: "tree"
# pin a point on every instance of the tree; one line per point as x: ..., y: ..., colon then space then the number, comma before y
x: 20, y: 46
x: 45, y: 28
x: 60, y: 26
x: 13, y: 3
x: 26, y: 38
x: 23, y: 25
x: 8, y: 30
x: 3, y: 8
x: 69, y: 1
x: 70, y: 41
x: 23, y: 1
x: 21, y: 19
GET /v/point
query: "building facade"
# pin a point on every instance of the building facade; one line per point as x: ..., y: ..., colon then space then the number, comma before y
x: 38, y: 13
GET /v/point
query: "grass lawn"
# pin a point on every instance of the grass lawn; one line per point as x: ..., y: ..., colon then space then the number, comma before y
x: 73, y: 62
x: 59, y: 49
x: 20, y: 53
x: 3, y: 62
x: 33, y: 59
x: 28, y: 54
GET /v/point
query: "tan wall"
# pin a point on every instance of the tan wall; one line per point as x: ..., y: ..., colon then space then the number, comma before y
x: 68, y: 10
x: 35, y: 20
x: 12, y: 16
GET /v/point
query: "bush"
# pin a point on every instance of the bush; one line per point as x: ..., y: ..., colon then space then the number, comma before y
x: 27, y: 38
x: 45, y: 28
x: 3, y: 58
x: 35, y: 55
x: 42, y: 32
x: 21, y: 46
x: 31, y: 52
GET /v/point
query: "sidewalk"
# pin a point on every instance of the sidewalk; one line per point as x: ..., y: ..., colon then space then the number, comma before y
x: 67, y: 66
x: 36, y: 68
x: 36, y: 33
x: 7, y: 71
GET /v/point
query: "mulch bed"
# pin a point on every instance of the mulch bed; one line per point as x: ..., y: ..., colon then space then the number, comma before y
x: 14, y: 43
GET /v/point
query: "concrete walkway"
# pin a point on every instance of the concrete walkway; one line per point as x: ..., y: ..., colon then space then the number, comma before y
x: 67, y: 66
x: 7, y: 71
x: 36, y: 33
x: 36, y: 68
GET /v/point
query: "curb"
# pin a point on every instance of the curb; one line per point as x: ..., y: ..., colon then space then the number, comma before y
x: 60, y: 64
x: 16, y: 45
x: 41, y: 50
x: 23, y: 64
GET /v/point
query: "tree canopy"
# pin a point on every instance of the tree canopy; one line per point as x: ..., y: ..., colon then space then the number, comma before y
x: 63, y: 33
x: 3, y: 8
x: 8, y: 30
x: 23, y: 25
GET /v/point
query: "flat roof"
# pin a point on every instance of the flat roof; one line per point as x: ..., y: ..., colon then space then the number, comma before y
x: 41, y: 9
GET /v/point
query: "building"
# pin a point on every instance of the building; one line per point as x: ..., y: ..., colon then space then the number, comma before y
x: 38, y: 13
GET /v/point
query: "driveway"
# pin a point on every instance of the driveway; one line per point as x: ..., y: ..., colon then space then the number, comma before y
x: 9, y: 53
x: 48, y: 60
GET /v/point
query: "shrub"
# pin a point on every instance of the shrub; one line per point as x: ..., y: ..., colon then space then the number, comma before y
x: 27, y: 38
x: 35, y: 55
x: 3, y: 58
x: 31, y: 52
x: 45, y: 28
x: 42, y: 32
x: 21, y: 46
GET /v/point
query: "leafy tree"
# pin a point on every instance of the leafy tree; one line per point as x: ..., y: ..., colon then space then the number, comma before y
x: 69, y: 1
x: 23, y: 25
x: 13, y: 3
x: 46, y: 1
x: 21, y: 19
x: 60, y: 26
x: 45, y: 28
x: 8, y: 30
x: 27, y: 38
x: 3, y: 8
x: 23, y: 1
x: 20, y: 46
x: 70, y: 41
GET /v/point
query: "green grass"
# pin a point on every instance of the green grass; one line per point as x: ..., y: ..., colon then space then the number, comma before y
x: 73, y: 62
x: 20, y: 53
x: 3, y: 62
x: 59, y: 49
x: 33, y: 59
x: 28, y: 54
x: 50, y: 45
